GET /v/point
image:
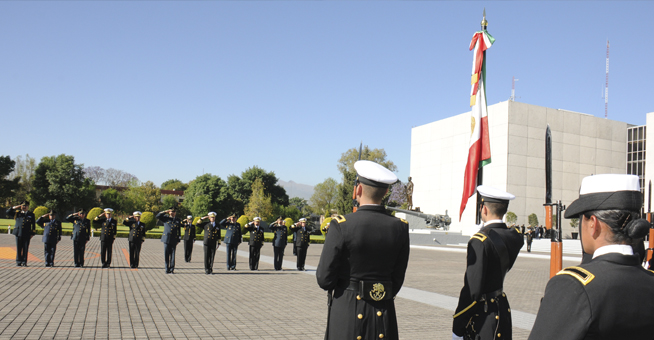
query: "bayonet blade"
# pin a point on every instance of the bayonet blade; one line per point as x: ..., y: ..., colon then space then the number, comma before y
x: 548, y: 165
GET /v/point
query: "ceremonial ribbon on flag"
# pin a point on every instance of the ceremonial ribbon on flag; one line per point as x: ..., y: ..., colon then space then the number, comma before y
x: 479, y: 152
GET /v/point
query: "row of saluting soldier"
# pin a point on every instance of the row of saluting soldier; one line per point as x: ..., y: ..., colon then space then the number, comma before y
x: 365, y: 256
x: 25, y: 221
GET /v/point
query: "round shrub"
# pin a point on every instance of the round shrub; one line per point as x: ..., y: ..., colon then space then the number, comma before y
x: 198, y: 231
x: 325, y: 223
x: 148, y: 219
x: 40, y: 211
x: 93, y: 213
x: 289, y: 223
x: 243, y: 220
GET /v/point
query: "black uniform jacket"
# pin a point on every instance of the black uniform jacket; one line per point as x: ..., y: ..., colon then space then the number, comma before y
x: 25, y: 225
x: 485, y: 277
x: 136, y: 230
x: 256, y: 234
x: 211, y: 233
x: 232, y: 232
x: 280, y: 235
x: 81, y: 228
x: 302, y: 237
x: 610, y: 297
x: 109, y: 229
x: 189, y: 231
x: 172, y: 228
x: 368, y: 245
x: 51, y: 230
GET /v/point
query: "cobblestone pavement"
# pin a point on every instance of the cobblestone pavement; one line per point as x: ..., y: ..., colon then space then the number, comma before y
x: 122, y: 303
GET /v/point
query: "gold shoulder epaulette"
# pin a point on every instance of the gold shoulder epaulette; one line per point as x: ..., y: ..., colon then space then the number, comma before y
x: 651, y: 271
x: 481, y: 237
x: 518, y: 230
x: 340, y: 218
x: 403, y: 220
x: 578, y: 273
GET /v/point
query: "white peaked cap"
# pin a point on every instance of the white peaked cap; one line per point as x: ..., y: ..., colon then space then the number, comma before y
x: 494, y: 195
x: 373, y: 174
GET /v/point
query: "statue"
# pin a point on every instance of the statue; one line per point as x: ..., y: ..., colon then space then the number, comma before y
x: 409, y: 194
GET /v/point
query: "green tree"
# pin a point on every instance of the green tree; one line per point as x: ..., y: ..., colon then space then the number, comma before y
x: 260, y: 203
x: 301, y: 204
x: 148, y: 219
x: 344, y: 193
x: 349, y: 157
x: 143, y: 197
x: 8, y: 187
x: 208, y: 193
x: 174, y: 184
x: 24, y: 170
x: 324, y: 196
x: 574, y: 223
x: 241, y: 187
x: 168, y: 201
x: 532, y: 220
x: 112, y: 198
x: 60, y: 184
x: 511, y: 218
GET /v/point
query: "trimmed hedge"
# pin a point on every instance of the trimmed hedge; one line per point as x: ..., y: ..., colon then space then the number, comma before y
x: 40, y: 211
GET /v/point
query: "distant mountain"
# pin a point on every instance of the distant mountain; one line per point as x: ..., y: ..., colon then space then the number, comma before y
x: 296, y: 189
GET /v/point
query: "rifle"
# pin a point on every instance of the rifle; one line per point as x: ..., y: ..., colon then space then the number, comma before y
x: 556, y: 256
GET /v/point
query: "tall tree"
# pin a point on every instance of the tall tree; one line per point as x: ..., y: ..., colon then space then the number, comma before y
x: 241, y: 187
x: 24, y: 170
x: 119, y: 178
x: 301, y: 204
x: 174, y: 184
x: 143, y: 197
x: 348, y: 158
x: 95, y: 173
x: 112, y: 198
x: 8, y: 187
x: 344, y: 193
x: 260, y: 204
x: 59, y: 184
x: 324, y: 196
x: 211, y: 194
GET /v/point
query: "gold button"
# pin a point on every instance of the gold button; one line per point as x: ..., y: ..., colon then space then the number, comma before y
x: 358, y: 297
x: 360, y: 316
x: 492, y: 300
x: 379, y: 313
x: 359, y: 337
x: 509, y: 310
x: 503, y: 295
x: 381, y: 336
x: 497, y: 317
x: 499, y: 335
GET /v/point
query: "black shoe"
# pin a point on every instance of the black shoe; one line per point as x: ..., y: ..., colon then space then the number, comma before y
x: 24, y: 264
x: 19, y: 264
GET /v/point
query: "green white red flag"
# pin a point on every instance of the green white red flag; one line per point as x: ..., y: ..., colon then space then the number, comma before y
x: 479, y: 152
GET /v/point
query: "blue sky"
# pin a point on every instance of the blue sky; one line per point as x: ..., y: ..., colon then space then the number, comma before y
x: 173, y: 89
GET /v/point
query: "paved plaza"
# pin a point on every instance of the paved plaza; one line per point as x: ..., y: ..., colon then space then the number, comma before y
x: 65, y: 302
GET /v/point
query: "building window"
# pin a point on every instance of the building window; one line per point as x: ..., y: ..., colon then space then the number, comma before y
x: 636, y: 137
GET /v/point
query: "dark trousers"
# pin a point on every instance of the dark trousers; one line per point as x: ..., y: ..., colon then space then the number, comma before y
x: 231, y: 250
x: 278, y: 257
x: 169, y: 254
x: 134, y: 253
x: 188, y: 250
x: 105, y: 252
x: 301, y: 256
x: 78, y: 252
x: 22, y: 248
x: 255, y: 254
x: 209, y: 255
x: 49, y: 250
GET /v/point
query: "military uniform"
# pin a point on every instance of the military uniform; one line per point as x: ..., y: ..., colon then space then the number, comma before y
x: 232, y: 240
x: 189, y: 240
x: 610, y: 297
x: 107, y: 237
x: 51, y: 235
x: 24, y: 229
x: 302, y: 241
x: 280, y: 239
x: 255, y: 243
x: 483, y: 308
x: 171, y: 236
x: 81, y: 234
x: 363, y: 263
x: 135, y: 239
x: 210, y: 243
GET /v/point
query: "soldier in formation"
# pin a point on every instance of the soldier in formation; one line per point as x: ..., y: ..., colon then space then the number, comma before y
x: 279, y: 241
x: 483, y: 311
x: 81, y: 234
x: 24, y: 230
x: 51, y: 236
x: 232, y: 239
x: 108, y: 227
x: 136, y: 237
x: 256, y: 242
x: 302, y: 241
x: 211, y: 239
x: 189, y: 237
x: 170, y: 237
x: 364, y: 261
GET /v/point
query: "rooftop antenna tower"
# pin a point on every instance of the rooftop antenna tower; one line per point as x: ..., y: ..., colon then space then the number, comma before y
x: 513, y: 89
x: 606, y: 88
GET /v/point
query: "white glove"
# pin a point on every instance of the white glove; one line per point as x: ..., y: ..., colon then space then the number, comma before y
x: 456, y: 337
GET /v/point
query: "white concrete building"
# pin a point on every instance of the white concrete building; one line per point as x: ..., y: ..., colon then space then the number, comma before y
x: 582, y: 145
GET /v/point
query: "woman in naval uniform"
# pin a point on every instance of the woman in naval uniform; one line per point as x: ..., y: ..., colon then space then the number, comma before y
x: 612, y: 295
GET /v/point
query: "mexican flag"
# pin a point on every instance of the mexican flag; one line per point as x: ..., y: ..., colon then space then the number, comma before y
x: 479, y: 152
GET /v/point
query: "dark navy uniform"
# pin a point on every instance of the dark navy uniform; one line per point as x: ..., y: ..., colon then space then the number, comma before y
x: 51, y: 235
x: 211, y: 242
x: 280, y: 239
x: 135, y: 238
x: 610, y: 297
x: 189, y: 240
x: 302, y: 241
x: 232, y: 240
x: 24, y: 229
x: 171, y: 236
x: 364, y: 262
x: 81, y: 234
x: 107, y: 237
x: 483, y: 308
x: 255, y: 243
